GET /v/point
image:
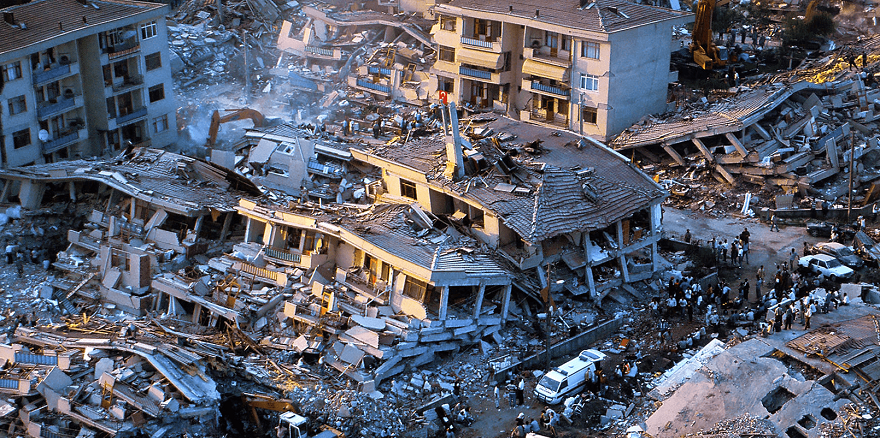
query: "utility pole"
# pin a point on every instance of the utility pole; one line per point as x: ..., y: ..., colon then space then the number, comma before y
x: 852, y: 152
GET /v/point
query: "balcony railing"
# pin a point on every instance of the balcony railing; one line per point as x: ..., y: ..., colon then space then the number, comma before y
x: 475, y: 42
x: 372, y: 86
x: 60, y: 142
x: 319, y: 51
x: 543, y: 116
x: 140, y: 112
x: 474, y: 73
x: 53, y: 73
x: 380, y: 70
x: 281, y: 254
x: 115, y: 52
x: 549, y: 89
x: 55, y: 108
x: 129, y: 82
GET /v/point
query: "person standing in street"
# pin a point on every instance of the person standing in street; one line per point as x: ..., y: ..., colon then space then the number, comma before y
x: 808, y: 313
x: 774, y: 226
x: 520, y: 392
x: 497, y: 397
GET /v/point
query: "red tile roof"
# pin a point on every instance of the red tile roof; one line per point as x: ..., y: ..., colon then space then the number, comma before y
x: 42, y: 17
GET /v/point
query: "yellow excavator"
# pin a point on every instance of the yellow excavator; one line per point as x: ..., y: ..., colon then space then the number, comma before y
x: 703, y: 49
x: 234, y: 114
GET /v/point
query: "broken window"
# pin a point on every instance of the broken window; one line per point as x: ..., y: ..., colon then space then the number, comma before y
x: 157, y: 92
x: 21, y: 138
x: 17, y: 105
x: 447, y: 23
x: 149, y: 30
x: 120, y: 69
x: 590, y: 50
x: 407, y: 189
x: 414, y: 288
x: 444, y: 84
x: 590, y: 115
x: 446, y: 54
x: 11, y: 71
x: 294, y: 236
x: 589, y: 82
x: 153, y: 61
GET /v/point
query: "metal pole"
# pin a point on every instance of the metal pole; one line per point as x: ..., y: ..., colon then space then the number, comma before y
x: 852, y: 149
x: 247, y: 72
x: 581, y: 112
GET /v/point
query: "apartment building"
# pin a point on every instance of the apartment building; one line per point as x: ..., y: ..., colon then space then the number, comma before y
x: 81, y: 78
x: 592, y: 66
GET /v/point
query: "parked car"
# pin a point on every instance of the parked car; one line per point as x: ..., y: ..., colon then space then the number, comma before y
x: 839, y: 251
x: 824, y: 229
x: 825, y: 266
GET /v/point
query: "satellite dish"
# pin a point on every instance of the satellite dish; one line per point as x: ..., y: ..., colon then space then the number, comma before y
x: 43, y: 135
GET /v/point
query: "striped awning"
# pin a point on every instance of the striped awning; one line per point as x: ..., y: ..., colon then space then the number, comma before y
x: 549, y: 71
x: 480, y: 59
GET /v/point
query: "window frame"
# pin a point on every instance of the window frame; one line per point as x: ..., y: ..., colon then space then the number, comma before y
x: 157, y: 56
x: 441, y: 50
x: 566, y: 43
x: 17, y: 134
x: 444, y: 23
x: 13, y: 104
x: 593, y: 112
x: 591, y: 50
x: 586, y: 80
x: 407, y: 187
x: 157, y: 87
x: 551, y: 39
x: 15, y: 67
x: 163, y: 119
x: 149, y: 29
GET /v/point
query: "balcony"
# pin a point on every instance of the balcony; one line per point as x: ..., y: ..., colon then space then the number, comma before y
x: 60, y: 142
x: 121, y: 50
x: 545, y: 117
x: 492, y: 46
x: 283, y: 255
x: 538, y: 87
x: 138, y: 113
x: 127, y: 83
x: 380, y: 71
x: 474, y: 73
x: 535, y: 53
x: 46, y: 110
x: 53, y: 73
x: 369, y: 85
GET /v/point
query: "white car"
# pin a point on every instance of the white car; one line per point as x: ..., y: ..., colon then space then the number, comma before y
x: 826, y: 266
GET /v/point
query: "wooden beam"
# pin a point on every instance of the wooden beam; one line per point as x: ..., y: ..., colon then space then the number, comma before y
x: 736, y: 143
x: 703, y: 149
x: 724, y: 173
x: 675, y: 156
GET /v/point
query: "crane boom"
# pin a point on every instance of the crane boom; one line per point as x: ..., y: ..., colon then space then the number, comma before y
x: 703, y: 49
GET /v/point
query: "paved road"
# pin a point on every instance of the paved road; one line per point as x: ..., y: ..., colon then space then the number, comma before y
x: 767, y: 247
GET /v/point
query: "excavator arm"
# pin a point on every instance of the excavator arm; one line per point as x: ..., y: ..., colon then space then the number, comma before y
x: 703, y: 49
x: 234, y: 114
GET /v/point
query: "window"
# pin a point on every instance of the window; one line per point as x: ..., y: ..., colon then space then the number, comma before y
x: 447, y: 54
x: 153, y: 61
x: 414, y: 288
x: 566, y: 43
x: 590, y: 50
x: 12, y: 71
x: 589, y: 82
x: 551, y: 40
x: 447, y: 23
x: 408, y: 189
x: 160, y: 124
x: 589, y: 115
x: 21, y: 138
x: 149, y: 30
x: 17, y: 105
x: 157, y: 93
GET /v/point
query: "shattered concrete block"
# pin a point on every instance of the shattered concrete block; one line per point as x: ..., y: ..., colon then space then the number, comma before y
x: 445, y: 346
x: 442, y: 336
x: 490, y: 320
x: 431, y: 331
x: 459, y: 332
x: 104, y: 365
x: 368, y: 386
x: 172, y: 405
x: 423, y: 359
x: 117, y: 411
x: 410, y: 352
x: 455, y: 323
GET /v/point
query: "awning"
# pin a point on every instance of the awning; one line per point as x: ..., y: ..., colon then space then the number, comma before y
x: 549, y: 71
x: 480, y: 59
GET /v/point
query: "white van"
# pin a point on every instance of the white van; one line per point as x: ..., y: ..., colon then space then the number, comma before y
x: 566, y: 379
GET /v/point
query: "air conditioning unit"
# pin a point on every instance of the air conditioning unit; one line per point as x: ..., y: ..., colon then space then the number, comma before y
x: 64, y: 60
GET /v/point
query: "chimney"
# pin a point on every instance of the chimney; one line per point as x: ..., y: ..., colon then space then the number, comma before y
x: 60, y: 26
x: 510, y: 9
x: 9, y: 18
x: 454, y: 155
x: 537, y: 13
x: 85, y: 20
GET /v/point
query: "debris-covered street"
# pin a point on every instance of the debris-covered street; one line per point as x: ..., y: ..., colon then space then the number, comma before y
x: 449, y: 219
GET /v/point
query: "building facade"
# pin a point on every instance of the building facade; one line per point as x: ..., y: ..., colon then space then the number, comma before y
x: 83, y: 78
x: 594, y: 67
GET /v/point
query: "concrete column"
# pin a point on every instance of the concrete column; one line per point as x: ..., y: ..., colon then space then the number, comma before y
x: 269, y: 237
x: 248, y: 225
x: 444, y: 301
x: 198, y: 227
x: 197, y: 312
x: 620, y: 254
x: 479, y: 304
x: 71, y: 187
x: 505, y: 302
x: 591, y: 282
x: 31, y: 194
x: 131, y: 215
x: 227, y: 223
x: 654, y: 263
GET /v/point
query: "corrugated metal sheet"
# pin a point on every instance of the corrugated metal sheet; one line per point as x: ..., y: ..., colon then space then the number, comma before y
x: 544, y: 70
x: 480, y: 59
